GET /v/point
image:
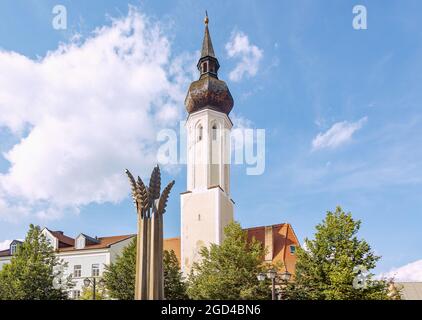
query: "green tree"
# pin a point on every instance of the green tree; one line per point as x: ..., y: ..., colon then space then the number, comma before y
x: 336, y: 264
x: 229, y: 271
x: 120, y: 275
x: 87, y: 293
x: 34, y: 273
x: 174, y: 286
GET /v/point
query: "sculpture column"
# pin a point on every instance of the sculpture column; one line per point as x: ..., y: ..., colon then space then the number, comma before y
x: 150, y: 207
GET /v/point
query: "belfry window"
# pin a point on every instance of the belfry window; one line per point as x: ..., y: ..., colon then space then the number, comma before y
x: 200, y: 132
x: 205, y: 67
x: 214, y: 132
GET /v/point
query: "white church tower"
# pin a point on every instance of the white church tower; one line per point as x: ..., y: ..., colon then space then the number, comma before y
x: 206, y: 206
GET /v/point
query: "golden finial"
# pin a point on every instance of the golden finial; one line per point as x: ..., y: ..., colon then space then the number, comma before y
x: 206, y: 20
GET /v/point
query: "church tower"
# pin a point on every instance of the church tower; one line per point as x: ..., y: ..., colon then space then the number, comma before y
x: 206, y: 206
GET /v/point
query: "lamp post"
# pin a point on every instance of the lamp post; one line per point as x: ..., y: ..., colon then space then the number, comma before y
x: 272, y: 275
x: 285, y: 277
x: 87, y: 283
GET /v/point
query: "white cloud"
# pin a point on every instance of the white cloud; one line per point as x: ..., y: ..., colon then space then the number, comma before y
x: 249, y: 55
x: 240, y: 122
x: 338, y: 134
x: 5, y: 244
x: 406, y: 273
x: 84, y: 113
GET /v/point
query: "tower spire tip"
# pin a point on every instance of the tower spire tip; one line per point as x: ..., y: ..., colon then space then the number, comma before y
x: 206, y: 20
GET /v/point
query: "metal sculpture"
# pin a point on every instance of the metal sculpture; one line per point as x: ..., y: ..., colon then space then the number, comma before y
x: 150, y: 207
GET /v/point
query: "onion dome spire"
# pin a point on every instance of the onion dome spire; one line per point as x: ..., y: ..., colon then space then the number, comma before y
x: 208, y: 92
x: 207, y: 49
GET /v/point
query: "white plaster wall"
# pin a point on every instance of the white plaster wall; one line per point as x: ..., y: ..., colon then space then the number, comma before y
x: 85, y: 258
x: 117, y: 249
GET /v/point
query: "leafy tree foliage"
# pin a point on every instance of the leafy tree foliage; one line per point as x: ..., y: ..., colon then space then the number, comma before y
x: 174, y: 286
x: 229, y: 270
x: 120, y: 275
x: 336, y: 264
x: 34, y: 273
x: 88, y: 293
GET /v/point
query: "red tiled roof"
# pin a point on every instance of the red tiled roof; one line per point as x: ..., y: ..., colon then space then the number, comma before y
x: 104, y: 242
x: 66, y: 244
x: 64, y: 241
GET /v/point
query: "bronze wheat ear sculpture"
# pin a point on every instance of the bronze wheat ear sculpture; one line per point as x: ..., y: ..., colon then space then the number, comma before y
x: 150, y: 207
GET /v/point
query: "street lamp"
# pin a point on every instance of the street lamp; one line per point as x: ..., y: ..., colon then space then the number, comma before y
x: 87, y: 283
x: 271, y: 274
x: 285, y: 277
x: 261, y: 276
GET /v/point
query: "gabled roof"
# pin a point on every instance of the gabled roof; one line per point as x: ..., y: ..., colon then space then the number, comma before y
x: 91, y: 240
x: 103, y: 242
x: 64, y: 241
x: 67, y: 244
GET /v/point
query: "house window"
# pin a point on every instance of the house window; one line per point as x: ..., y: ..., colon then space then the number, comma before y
x: 77, y: 271
x: 214, y: 132
x: 76, y: 294
x: 13, y: 248
x: 95, y: 270
x: 292, y: 249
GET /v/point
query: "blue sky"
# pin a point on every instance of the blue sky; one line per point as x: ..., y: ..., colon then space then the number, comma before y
x: 359, y: 90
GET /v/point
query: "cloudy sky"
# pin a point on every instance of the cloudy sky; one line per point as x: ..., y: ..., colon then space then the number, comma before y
x: 341, y: 109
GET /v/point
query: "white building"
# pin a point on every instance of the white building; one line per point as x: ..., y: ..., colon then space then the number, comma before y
x: 85, y: 256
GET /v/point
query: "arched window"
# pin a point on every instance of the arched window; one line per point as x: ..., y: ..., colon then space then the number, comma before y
x: 205, y: 67
x: 200, y: 132
x: 214, y: 132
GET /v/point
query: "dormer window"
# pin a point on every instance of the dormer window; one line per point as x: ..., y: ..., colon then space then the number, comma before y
x: 80, y: 242
x: 13, y: 248
x: 83, y: 241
